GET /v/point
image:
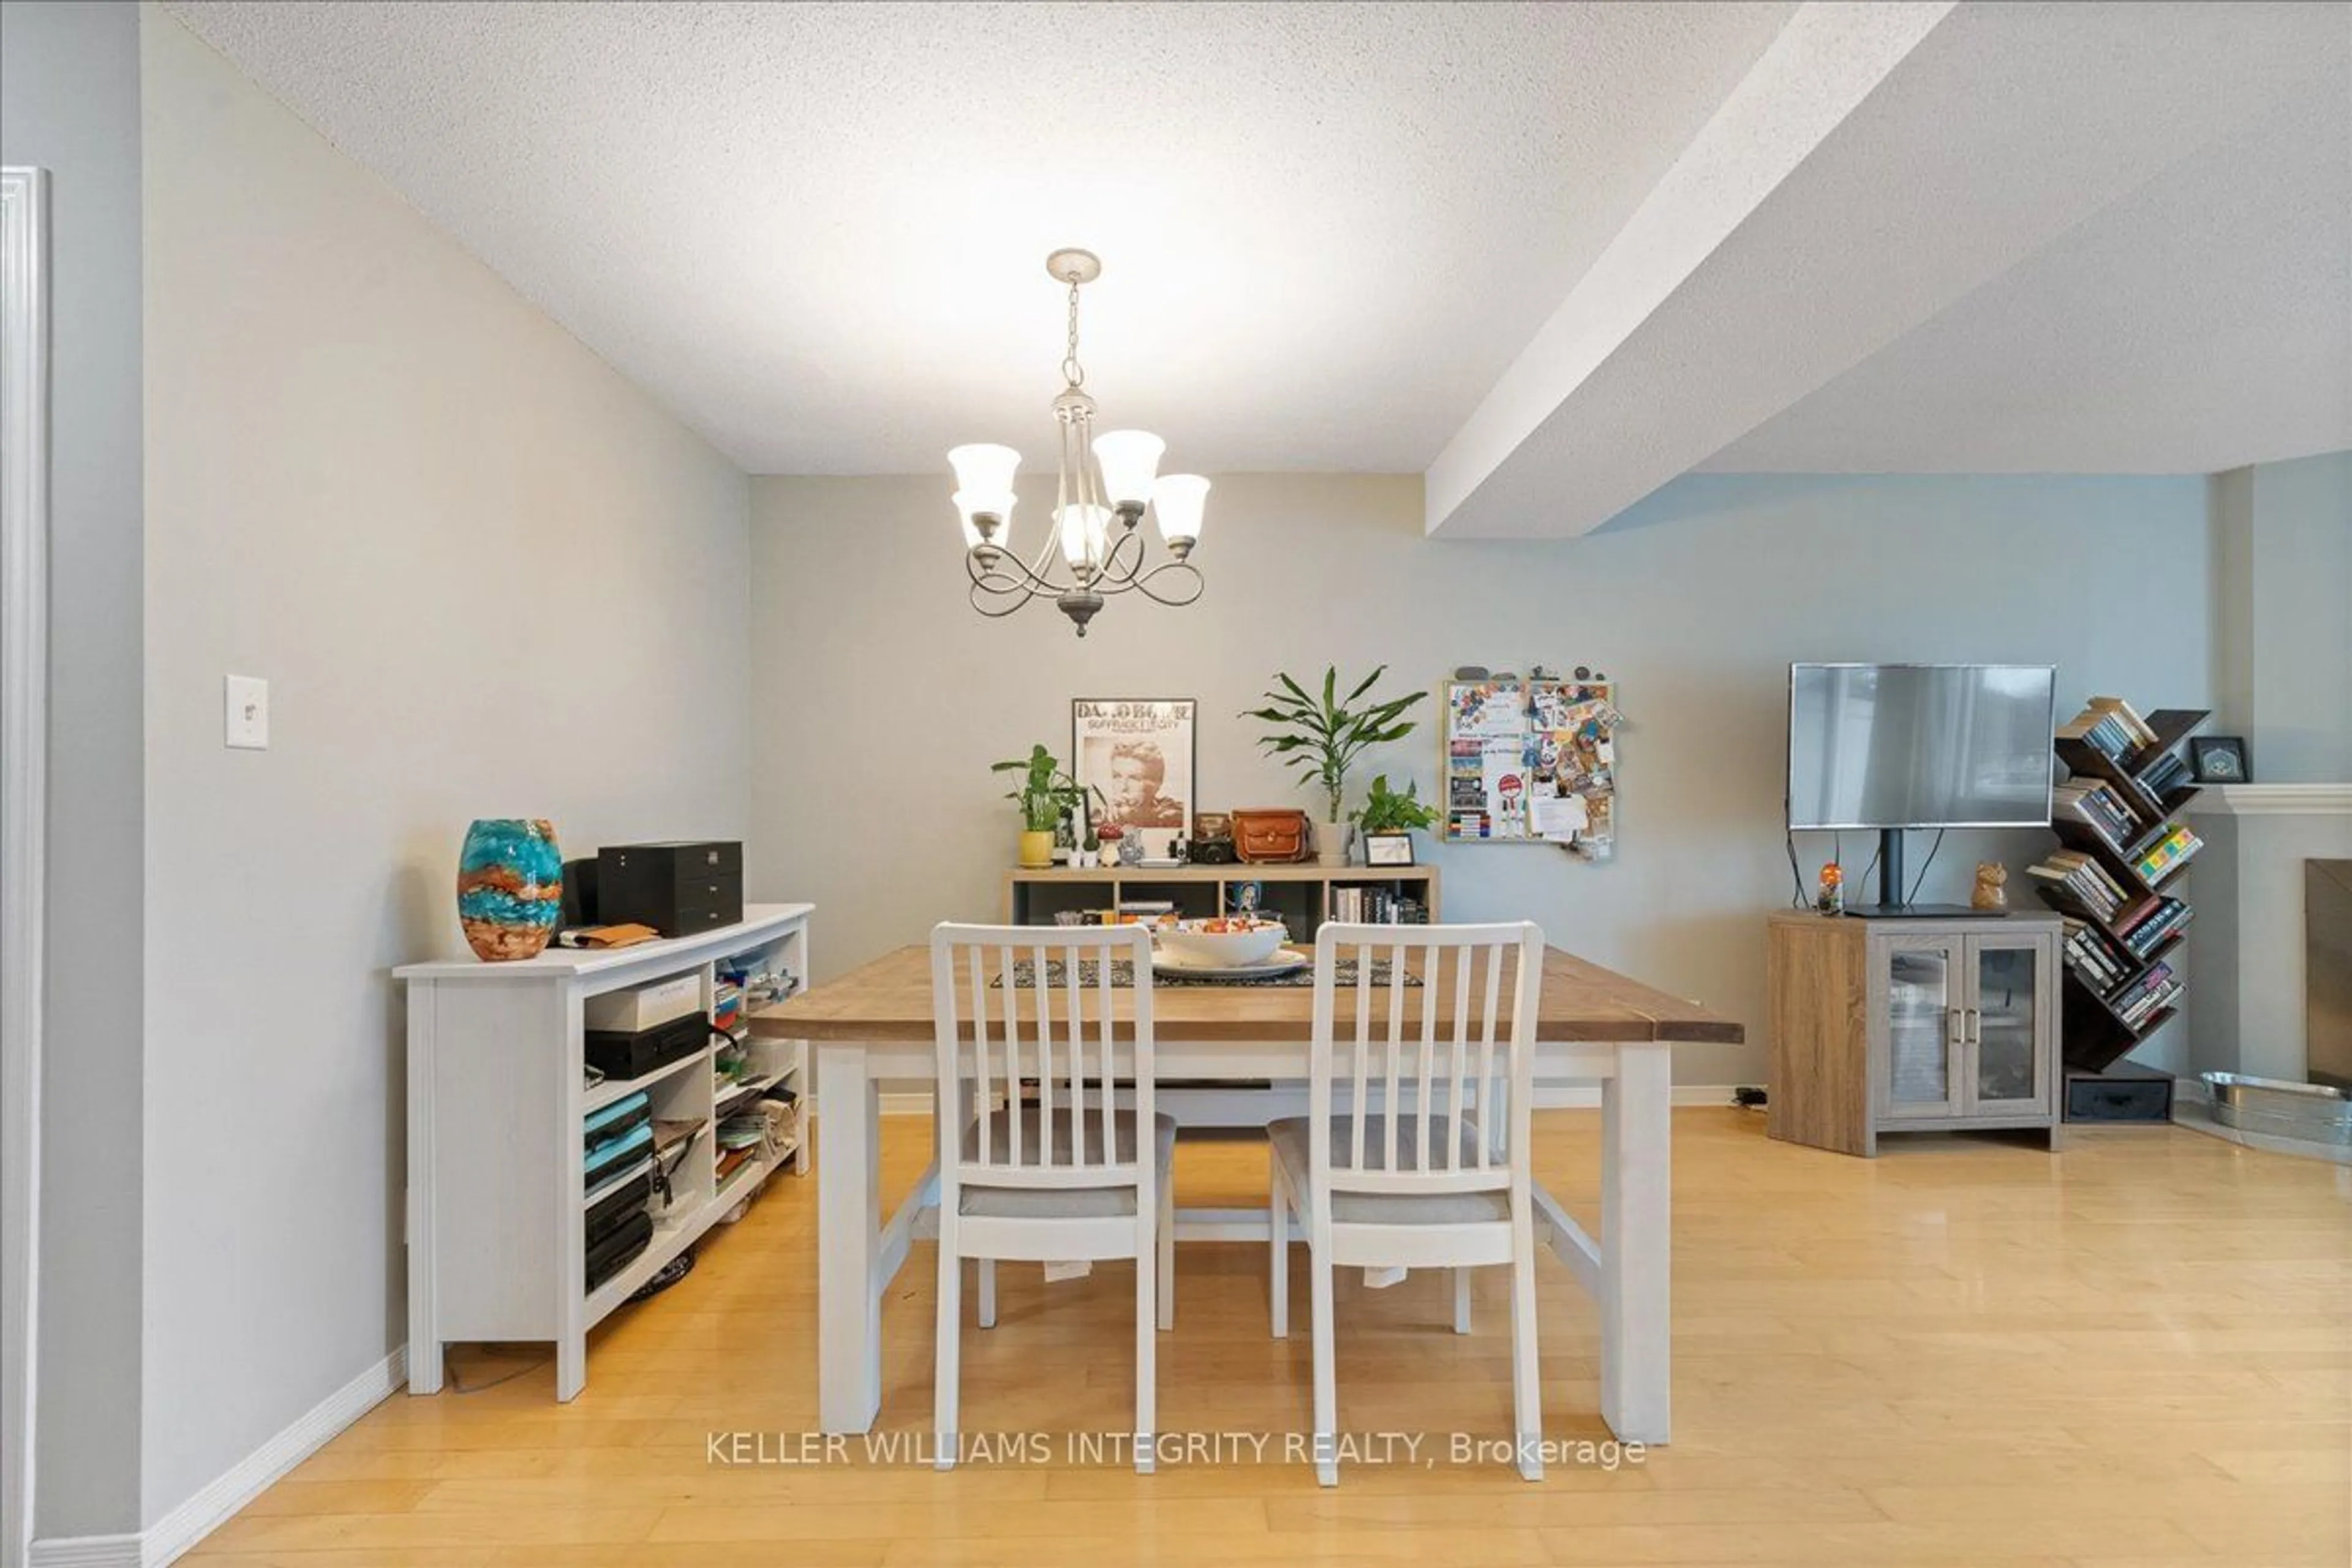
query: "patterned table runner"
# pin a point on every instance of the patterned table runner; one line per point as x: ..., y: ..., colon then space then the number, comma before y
x: 1122, y: 973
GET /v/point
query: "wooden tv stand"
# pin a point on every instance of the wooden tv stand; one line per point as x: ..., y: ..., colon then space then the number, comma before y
x: 1912, y: 1026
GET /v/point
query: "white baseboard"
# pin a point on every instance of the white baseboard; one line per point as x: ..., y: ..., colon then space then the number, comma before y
x: 164, y: 1541
x: 1575, y: 1097
x: 86, y: 1551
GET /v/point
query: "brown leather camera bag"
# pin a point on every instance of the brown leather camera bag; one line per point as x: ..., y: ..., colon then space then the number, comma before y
x: 1263, y: 837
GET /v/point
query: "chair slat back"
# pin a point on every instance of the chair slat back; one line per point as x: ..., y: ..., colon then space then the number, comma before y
x: 1016, y: 1007
x: 1440, y: 1074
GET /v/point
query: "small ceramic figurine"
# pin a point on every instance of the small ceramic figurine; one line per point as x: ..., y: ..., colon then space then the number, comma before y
x: 1992, y: 887
x: 1830, y: 899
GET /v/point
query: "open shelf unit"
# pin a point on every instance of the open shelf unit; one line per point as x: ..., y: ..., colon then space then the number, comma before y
x: 497, y: 1094
x: 1300, y: 894
x: 2099, y: 1029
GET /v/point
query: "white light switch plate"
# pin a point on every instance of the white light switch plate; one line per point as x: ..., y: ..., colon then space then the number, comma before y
x: 245, y: 703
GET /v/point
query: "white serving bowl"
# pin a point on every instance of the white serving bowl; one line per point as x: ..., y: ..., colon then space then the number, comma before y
x: 1240, y: 945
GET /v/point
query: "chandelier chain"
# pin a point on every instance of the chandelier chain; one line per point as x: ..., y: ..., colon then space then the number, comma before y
x: 1072, y: 371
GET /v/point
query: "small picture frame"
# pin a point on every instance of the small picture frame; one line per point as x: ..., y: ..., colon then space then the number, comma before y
x: 2221, y: 759
x: 1388, y: 849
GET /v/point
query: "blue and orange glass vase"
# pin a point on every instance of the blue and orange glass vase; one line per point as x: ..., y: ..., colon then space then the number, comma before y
x: 510, y: 887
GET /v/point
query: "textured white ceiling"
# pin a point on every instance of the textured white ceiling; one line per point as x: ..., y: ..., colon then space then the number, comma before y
x: 1561, y: 252
x: 2006, y: 134
x: 2201, y: 322
x: 817, y: 232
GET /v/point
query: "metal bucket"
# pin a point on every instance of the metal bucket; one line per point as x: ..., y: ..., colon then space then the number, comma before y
x: 2311, y: 1112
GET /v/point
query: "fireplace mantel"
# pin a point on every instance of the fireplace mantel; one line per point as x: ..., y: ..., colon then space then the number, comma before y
x: 2275, y: 800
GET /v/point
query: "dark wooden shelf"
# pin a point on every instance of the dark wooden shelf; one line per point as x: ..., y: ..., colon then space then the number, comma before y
x: 2172, y: 726
x: 2096, y: 1035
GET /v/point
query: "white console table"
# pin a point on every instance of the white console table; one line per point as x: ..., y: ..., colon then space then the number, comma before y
x: 495, y: 1097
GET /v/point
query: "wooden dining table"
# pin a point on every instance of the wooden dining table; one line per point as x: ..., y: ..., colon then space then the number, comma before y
x: 874, y: 1026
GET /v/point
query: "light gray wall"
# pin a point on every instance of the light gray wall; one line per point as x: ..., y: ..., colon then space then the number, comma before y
x: 2281, y: 590
x: 2300, y: 621
x: 70, y: 103
x: 885, y: 698
x: 2255, y: 1024
x: 484, y: 575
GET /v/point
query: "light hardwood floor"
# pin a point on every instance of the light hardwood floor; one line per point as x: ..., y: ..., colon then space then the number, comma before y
x: 1966, y: 1353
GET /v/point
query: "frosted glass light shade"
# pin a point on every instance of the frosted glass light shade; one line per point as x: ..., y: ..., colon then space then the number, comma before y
x: 1082, y: 528
x: 1128, y: 459
x: 969, y: 506
x: 983, y: 469
x: 1178, y: 501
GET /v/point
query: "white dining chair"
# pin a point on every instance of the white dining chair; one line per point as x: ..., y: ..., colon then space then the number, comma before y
x: 1416, y: 1154
x: 1071, y: 1177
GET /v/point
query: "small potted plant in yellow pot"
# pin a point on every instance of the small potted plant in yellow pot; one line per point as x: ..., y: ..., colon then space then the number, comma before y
x: 1044, y: 790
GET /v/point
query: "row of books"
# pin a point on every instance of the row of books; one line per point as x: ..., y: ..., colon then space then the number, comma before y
x: 2107, y: 960
x: 2090, y: 884
x: 2147, y: 996
x: 2147, y: 928
x: 2165, y: 774
x: 2111, y: 727
x: 1376, y: 906
x: 2100, y: 805
x: 2157, y: 861
x: 2091, y: 954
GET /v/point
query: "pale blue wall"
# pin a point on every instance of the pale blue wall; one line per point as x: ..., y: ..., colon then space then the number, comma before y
x: 1696, y: 600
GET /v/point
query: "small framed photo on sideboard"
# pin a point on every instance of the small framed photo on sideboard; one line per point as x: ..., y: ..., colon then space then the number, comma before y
x: 2220, y: 759
x: 1388, y: 849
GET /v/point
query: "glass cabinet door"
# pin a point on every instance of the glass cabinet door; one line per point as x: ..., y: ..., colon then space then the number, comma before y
x: 1921, y: 979
x: 2005, y: 1025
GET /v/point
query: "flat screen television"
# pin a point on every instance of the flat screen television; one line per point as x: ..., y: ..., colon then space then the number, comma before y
x: 1899, y: 746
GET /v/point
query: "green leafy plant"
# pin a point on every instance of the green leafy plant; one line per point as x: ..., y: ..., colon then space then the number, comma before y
x: 1044, y: 791
x: 1322, y: 738
x: 1385, y: 811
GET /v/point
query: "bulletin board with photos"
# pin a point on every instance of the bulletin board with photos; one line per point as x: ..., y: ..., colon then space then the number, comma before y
x: 1532, y: 762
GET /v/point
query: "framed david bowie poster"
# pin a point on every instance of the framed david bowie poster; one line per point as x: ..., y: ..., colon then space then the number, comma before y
x: 1140, y: 753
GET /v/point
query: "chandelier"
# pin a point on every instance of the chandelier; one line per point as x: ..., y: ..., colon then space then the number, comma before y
x: 1107, y: 483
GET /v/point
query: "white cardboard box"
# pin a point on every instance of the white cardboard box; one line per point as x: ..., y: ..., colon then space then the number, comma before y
x: 643, y: 1007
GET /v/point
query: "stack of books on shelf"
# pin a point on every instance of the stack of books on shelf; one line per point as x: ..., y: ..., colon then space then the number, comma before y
x: 2147, y: 996
x: 2110, y: 727
x: 2157, y: 861
x: 741, y: 1137
x: 2090, y: 884
x: 1376, y: 906
x: 2152, y: 925
x: 2166, y: 774
x: 2094, y: 955
x: 2099, y: 805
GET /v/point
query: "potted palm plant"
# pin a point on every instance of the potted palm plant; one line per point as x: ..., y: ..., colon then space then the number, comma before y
x: 1044, y: 791
x: 1322, y: 736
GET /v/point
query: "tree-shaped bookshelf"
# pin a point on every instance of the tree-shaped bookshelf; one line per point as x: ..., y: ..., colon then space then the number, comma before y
x: 2125, y: 845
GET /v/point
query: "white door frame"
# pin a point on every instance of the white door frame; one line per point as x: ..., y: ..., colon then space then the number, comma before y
x: 24, y: 762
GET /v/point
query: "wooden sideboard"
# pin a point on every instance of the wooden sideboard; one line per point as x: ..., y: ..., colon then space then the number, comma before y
x: 1891, y: 1025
